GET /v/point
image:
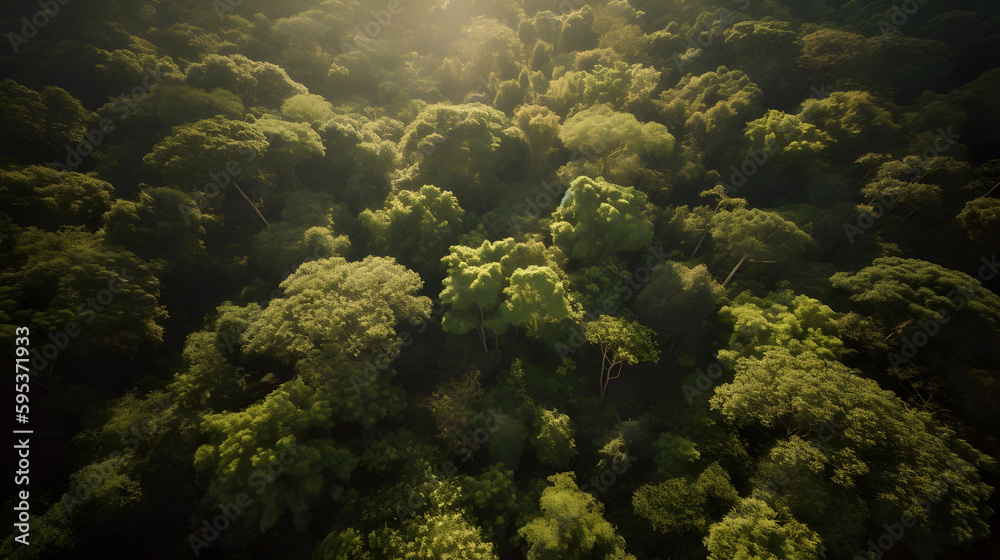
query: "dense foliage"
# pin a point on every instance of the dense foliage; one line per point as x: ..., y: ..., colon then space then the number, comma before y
x: 497, y: 279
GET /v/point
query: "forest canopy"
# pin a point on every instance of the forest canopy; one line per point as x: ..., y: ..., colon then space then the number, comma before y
x: 502, y: 280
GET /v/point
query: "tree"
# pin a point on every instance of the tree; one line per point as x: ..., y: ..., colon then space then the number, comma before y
x: 43, y: 197
x: 711, y: 109
x: 980, y: 218
x: 621, y: 341
x: 855, y: 121
x: 478, y: 286
x: 488, y: 46
x: 554, y: 443
x: 312, y: 226
x: 343, y: 308
x: 674, y: 454
x: 534, y: 298
x: 540, y: 126
x: 914, y: 183
x: 761, y: 234
x: 468, y: 150
x: 680, y: 506
x: 177, y: 104
x: 903, y: 293
x: 443, y: 530
x: 308, y: 108
x: 623, y: 87
x: 361, y: 152
x: 40, y: 125
x: 71, y: 276
x: 457, y: 405
x: 617, y: 147
x: 209, y: 151
x: 267, y: 436
x: 830, y: 55
x: 572, y: 526
x: 679, y: 301
x: 289, y: 144
x: 153, y: 228
x: 796, y: 323
x: 766, y: 49
x: 787, y: 139
x: 859, y: 424
x: 597, y: 220
x: 754, y: 530
x: 258, y: 83
x: 416, y: 227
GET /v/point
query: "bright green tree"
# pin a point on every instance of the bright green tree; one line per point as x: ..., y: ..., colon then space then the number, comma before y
x: 795, y: 323
x: 681, y: 506
x: 617, y: 146
x: 554, y: 443
x: 482, y: 294
x: 755, y: 531
x: 416, y: 227
x: 468, y: 150
x: 856, y: 121
x: 571, y: 525
x: 339, y: 307
x: 597, y: 220
x: 759, y: 235
x: 925, y: 470
x: 621, y: 341
x: 623, y: 87
x: 534, y: 298
x: 788, y: 140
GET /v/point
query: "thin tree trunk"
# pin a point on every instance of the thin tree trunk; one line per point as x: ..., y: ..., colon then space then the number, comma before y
x: 737, y: 267
x: 617, y: 375
x: 254, y: 206
x: 604, y: 367
x: 482, y: 330
x: 989, y: 191
x: 698, y: 245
